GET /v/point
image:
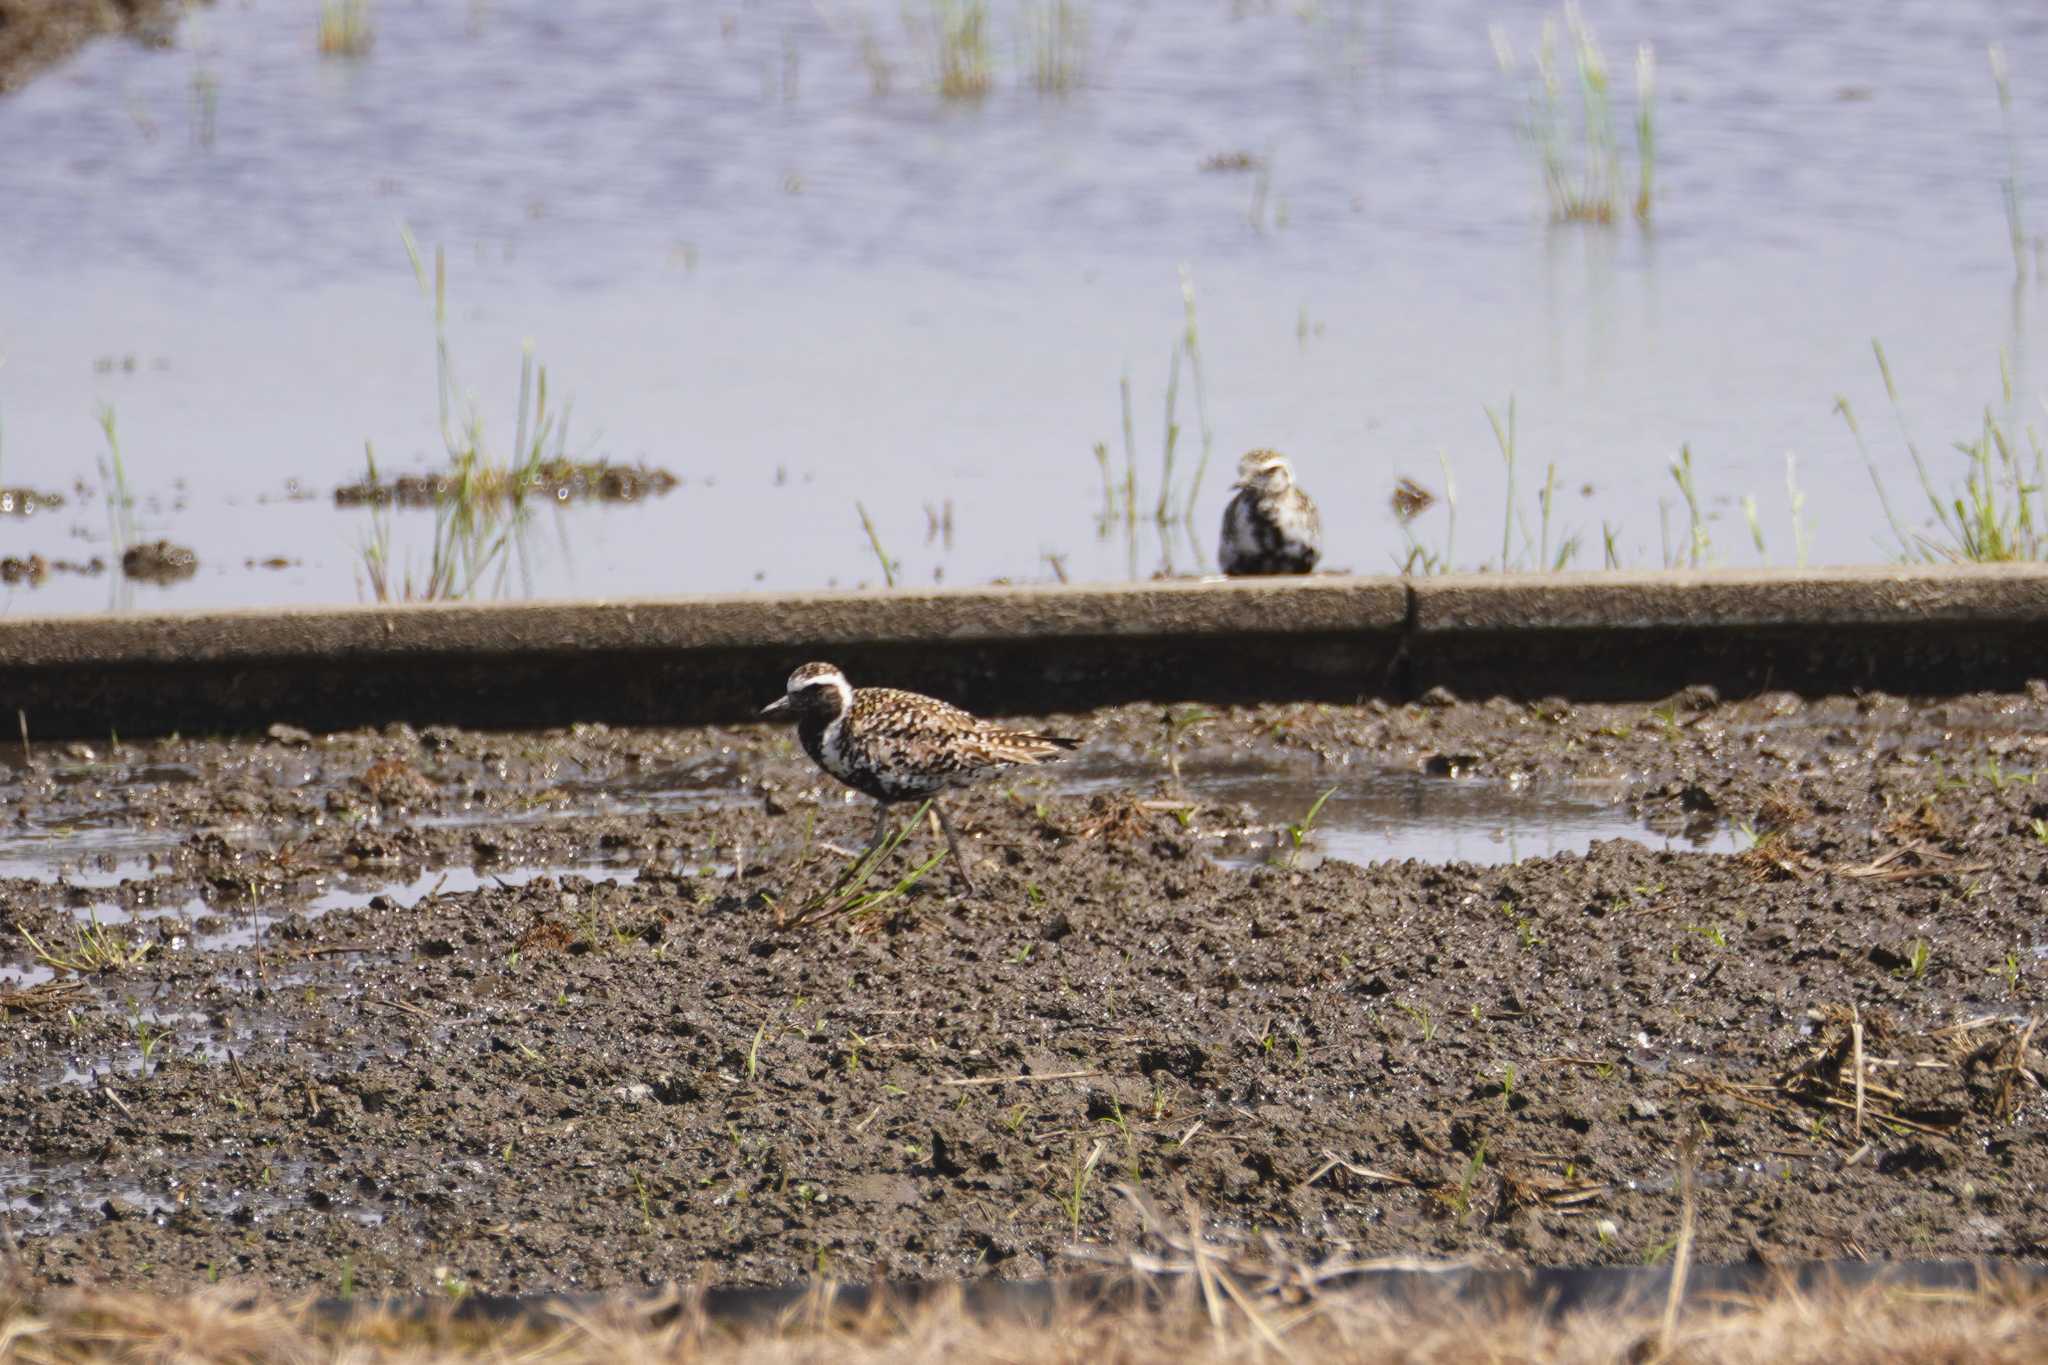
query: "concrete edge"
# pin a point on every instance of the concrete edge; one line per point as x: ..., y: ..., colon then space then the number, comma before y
x: 1465, y: 603
x: 1927, y: 630
x: 1190, y: 609
x: 1825, y: 599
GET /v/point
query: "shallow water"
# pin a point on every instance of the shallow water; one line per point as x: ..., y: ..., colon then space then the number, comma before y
x: 741, y: 263
x: 1391, y: 816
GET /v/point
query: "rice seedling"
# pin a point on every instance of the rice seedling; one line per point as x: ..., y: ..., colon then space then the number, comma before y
x: 1073, y: 1200
x: 1160, y: 515
x: 2010, y: 186
x: 1191, y: 343
x: 1055, y: 41
x: 114, y: 484
x: 1586, y: 186
x: 1795, y: 499
x: 1504, y: 438
x: 1699, y: 550
x: 875, y: 541
x: 347, y: 28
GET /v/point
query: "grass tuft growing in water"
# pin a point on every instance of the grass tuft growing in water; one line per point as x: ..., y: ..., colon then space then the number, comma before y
x: 347, y: 28
x: 1586, y: 185
x: 480, y: 498
x: 1055, y: 43
x: 957, y: 32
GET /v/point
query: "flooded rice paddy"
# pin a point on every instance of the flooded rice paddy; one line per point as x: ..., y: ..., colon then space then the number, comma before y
x: 758, y: 248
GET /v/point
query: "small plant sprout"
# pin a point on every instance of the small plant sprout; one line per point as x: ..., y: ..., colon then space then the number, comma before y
x: 1710, y: 932
x: 1461, y: 1200
x: 1422, y: 1018
x: 1299, y: 831
x: 1699, y: 547
x: 1795, y: 500
x: 1915, y: 966
x: 1073, y: 1199
x: 2040, y: 828
x: 1179, y: 724
x: 2008, y: 971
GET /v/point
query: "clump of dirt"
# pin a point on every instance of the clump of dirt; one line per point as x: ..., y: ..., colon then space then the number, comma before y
x: 32, y: 569
x: 35, y: 33
x: 562, y: 480
x: 26, y: 502
x: 159, y: 561
x: 407, y: 1009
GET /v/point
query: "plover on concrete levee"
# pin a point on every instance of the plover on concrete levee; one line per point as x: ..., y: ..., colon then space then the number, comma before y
x: 1271, y: 526
x: 902, y: 746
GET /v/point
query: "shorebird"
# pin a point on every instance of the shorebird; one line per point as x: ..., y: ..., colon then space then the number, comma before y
x: 901, y: 746
x: 1271, y: 526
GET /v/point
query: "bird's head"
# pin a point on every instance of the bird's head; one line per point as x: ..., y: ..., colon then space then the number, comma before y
x: 813, y: 690
x: 1265, y: 473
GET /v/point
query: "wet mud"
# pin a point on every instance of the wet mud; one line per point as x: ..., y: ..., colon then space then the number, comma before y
x: 444, y: 1010
x: 35, y: 34
x: 557, y: 480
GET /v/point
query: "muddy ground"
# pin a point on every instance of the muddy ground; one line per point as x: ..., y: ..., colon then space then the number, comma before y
x: 35, y: 34
x: 313, y: 1069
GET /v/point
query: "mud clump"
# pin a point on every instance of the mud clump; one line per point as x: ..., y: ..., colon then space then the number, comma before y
x: 26, y: 502
x: 33, y: 569
x: 159, y: 561
x: 558, y: 480
x: 36, y: 33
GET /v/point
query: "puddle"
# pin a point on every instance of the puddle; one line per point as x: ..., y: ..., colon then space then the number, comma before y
x: 16, y: 976
x: 454, y: 881
x: 210, y: 228
x: 1375, y: 817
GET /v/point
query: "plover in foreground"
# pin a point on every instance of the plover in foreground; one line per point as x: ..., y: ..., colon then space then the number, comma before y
x: 1271, y: 526
x: 901, y: 746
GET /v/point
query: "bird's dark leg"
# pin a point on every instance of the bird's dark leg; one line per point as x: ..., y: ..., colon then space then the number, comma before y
x: 953, y: 843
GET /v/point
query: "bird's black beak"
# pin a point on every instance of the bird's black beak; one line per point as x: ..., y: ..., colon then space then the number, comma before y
x: 776, y: 707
